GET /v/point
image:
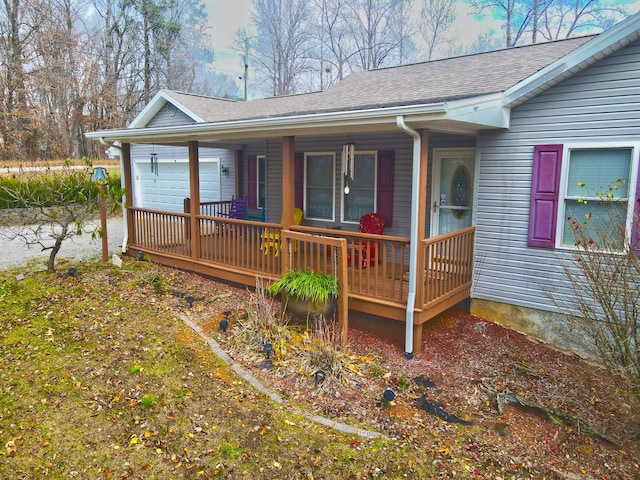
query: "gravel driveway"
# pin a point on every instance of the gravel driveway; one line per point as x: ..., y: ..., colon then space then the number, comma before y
x: 14, y: 253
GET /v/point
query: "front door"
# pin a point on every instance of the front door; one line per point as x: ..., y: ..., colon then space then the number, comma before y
x: 452, y: 189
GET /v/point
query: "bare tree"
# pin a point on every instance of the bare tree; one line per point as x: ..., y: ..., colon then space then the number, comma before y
x: 52, y: 207
x: 376, y: 27
x: 519, y: 15
x: 335, y: 43
x: 20, y: 20
x: 282, y: 44
x: 436, y: 16
x: 566, y: 18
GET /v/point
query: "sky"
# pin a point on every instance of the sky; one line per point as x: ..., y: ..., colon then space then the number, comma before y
x: 227, y: 16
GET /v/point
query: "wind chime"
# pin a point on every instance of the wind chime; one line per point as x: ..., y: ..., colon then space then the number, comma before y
x: 154, y: 162
x: 348, y: 161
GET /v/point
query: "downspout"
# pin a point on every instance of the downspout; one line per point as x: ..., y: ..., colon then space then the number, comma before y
x: 125, y: 238
x: 413, y: 239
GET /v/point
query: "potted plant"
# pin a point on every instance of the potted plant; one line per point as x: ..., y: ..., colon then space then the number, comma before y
x: 307, y: 292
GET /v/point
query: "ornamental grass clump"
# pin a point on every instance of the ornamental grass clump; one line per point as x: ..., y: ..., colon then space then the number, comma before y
x: 306, y: 285
x: 262, y: 323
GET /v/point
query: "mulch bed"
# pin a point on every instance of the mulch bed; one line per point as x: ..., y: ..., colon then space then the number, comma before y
x: 579, y: 423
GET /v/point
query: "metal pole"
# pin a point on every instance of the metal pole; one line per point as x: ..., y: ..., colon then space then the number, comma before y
x: 103, y: 225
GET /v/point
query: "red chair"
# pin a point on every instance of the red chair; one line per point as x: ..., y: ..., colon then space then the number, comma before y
x: 367, y: 252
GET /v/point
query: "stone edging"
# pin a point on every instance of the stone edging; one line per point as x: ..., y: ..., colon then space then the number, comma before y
x: 248, y: 377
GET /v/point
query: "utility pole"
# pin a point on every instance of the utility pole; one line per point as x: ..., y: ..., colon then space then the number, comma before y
x: 246, y: 66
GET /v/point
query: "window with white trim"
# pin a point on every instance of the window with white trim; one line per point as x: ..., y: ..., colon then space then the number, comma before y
x: 361, y: 196
x: 319, y: 193
x: 595, y: 195
x: 261, y: 181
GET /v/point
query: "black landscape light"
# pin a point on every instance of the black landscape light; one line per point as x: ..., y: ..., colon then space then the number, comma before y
x: 140, y: 255
x: 267, y: 348
x: 190, y: 299
x: 72, y: 271
x: 389, y: 395
x: 224, y: 324
x: 319, y: 376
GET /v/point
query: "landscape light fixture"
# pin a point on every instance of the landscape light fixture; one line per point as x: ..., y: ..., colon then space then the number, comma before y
x: 72, y: 271
x: 140, y: 255
x: 224, y: 324
x: 190, y: 299
x: 319, y: 376
x: 389, y: 395
x: 267, y: 348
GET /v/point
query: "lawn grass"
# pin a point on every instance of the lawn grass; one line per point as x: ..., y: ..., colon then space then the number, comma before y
x: 99, y: 379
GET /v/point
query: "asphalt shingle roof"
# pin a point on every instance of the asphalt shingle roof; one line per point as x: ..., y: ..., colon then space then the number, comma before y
x: 420, y: 83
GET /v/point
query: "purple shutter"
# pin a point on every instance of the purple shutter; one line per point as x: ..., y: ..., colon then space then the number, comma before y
x: 252, y: 181
x: 299, y: 181
x: 635, y: 226
x: 384, y: 203
x: 545, y: 186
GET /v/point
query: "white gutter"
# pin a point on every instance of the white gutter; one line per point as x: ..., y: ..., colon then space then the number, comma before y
x: 413, y: 239
x: 125, y: 238
x: 316, y: 120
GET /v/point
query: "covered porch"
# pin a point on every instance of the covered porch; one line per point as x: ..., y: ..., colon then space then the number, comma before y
x: 420, y: 271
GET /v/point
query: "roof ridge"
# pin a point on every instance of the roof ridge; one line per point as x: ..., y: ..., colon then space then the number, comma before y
x: 477, y: 54
x: 199, y: 95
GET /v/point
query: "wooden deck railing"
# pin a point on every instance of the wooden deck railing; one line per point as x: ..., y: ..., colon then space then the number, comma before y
x: 384, y: 281
x: 210, y: 209
x: 237, y: 244
x: 160, y: 231
x: 448, y: 265
x: 446, y: 261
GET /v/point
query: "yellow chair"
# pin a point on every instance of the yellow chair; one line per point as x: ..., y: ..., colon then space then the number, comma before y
x: 271, y: 237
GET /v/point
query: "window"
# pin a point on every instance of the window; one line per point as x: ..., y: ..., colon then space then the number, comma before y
x: 568, y: 187
x: 261, y: 181
x: 319, y: 186
x: 361, y: 198
x: 594, y: 175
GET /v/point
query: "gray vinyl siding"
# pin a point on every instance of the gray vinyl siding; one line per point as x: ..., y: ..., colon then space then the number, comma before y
x: 399, y: 142
x: 170, y: 115
x: 601, y: 103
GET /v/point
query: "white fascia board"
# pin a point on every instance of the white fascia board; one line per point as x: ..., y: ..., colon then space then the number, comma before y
x: 604, y: 44
x: 486, y: 111
x: 155, y: 105
x: 262, y: 126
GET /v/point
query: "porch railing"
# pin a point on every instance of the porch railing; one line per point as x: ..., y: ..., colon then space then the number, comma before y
x: 155, y: 230
x: 237, y: 244
x: 384, y: 281
x: 447, y: 265
x: 209, y: 209
x: 445, y: 262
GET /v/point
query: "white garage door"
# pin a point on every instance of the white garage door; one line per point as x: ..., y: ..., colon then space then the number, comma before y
x: 168, y: 189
